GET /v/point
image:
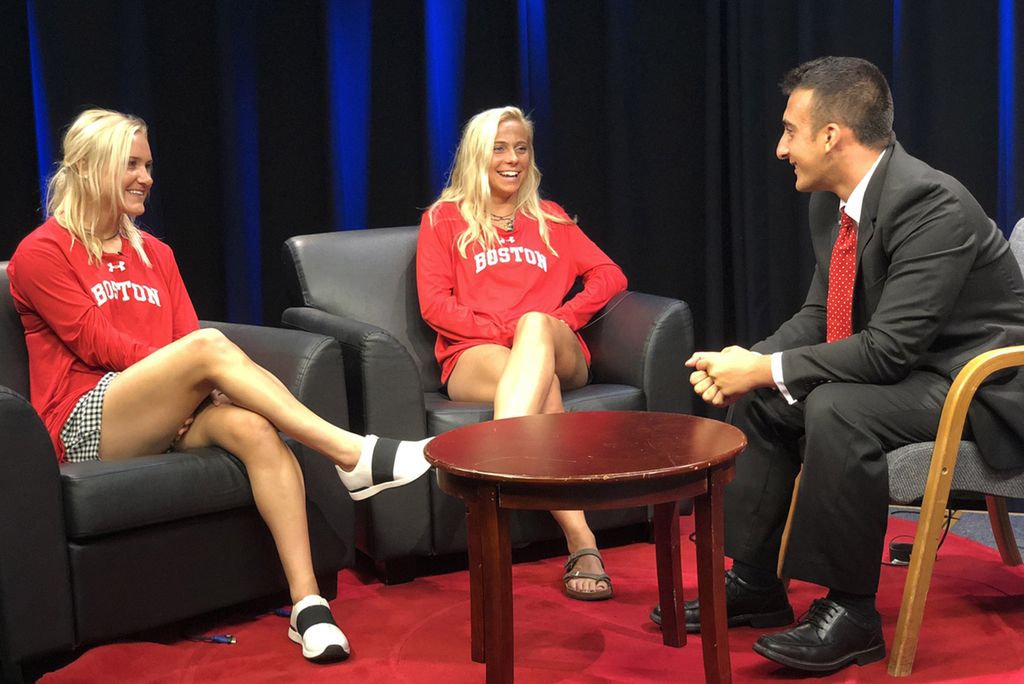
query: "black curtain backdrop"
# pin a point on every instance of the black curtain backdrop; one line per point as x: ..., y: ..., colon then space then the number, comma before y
x: 657, y: 127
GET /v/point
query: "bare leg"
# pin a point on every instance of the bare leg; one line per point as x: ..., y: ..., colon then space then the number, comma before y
x: 147, y: 403
x: 527, y: 380
x: 276, y: 480
x: 578, y: 534
x: 170, y: 384
x: 544, y: 350
x: 518, y: 380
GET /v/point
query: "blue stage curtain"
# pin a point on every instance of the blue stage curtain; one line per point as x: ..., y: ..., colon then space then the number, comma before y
x: 445, y: 28
x: 656, y: 123
x: 1009, y: 194
x: 348, y: 54
x: 240, y: 148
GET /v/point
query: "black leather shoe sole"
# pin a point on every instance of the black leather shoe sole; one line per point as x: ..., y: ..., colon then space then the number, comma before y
x: 779, y: 618
x: 870, y: 655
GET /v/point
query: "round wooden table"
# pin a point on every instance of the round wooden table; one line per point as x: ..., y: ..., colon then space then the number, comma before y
x: 588, y: 461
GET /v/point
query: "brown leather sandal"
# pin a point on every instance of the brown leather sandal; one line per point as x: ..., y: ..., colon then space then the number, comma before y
x: 571, y: 574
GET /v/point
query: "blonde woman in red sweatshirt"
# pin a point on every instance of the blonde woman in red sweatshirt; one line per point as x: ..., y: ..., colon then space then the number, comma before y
x: 494, y: 265
x: 119, y: 367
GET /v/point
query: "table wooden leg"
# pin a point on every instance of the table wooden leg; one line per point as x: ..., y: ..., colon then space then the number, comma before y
x: 670, y: 573
x: 710, y: 528
x: 496, y: 570
x: 476, y: 582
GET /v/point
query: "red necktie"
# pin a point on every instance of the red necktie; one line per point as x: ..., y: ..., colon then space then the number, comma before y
x: 842, y: 271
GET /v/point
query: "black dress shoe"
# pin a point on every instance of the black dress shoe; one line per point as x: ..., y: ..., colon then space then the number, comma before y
x: 744, y: 605
x: 827, y: 638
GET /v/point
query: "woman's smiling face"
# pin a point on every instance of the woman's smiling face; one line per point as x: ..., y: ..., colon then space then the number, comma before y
x: 510, y: 160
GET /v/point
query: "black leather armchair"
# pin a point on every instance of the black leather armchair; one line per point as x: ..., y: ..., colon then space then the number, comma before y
x: 94, y: 551
x: 360, y: 287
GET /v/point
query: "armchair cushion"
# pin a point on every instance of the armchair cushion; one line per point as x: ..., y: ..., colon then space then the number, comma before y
x: 101, y: 498
x: 443, y: 414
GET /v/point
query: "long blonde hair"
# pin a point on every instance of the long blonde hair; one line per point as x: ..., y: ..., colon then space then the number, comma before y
x: 87, y: 189
x: 469, y: 185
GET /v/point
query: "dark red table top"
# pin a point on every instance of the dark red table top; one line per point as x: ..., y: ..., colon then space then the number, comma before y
x: 596, y: 446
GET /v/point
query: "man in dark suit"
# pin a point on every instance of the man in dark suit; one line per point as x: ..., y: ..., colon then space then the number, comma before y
x: 911, y: 281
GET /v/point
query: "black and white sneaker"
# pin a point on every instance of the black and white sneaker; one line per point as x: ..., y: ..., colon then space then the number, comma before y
x: 313, y: 627
x: 383, y: 464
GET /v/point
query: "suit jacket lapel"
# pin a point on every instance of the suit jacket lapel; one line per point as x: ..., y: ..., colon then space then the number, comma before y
x: 872, y: 197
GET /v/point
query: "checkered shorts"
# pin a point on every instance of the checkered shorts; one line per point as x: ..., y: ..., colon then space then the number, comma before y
x: 81, y: 432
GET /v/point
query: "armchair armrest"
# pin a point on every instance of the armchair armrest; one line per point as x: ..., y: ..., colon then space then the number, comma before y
x: 35, y: 581
x: 642, y: 340
x: 309, y: 365
x: 381, y: 376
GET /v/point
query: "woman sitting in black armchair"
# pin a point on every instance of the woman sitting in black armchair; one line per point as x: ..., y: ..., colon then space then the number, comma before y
x: 119, y: 367
x: 494, y: 264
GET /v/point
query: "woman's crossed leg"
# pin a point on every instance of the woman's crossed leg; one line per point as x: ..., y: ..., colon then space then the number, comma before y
x: 146, y: 406
x: 527, y: 380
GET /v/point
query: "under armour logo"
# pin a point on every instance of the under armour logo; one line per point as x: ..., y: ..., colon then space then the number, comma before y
x: 119, y: 266
x: 510, y: 240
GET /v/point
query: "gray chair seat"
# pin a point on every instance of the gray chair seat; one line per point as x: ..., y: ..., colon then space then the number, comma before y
x: 908, y: 473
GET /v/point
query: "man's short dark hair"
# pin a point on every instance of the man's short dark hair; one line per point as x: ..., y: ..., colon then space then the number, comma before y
x: 849, y: 91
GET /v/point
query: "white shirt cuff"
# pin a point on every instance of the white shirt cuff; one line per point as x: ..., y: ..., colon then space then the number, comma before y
x: 780, y: 382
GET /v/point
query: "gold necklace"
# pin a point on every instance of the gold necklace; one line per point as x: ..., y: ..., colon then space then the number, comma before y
x: 506, y: 223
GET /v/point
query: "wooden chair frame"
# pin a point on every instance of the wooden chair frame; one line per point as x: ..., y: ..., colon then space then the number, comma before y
x: 933, y: 505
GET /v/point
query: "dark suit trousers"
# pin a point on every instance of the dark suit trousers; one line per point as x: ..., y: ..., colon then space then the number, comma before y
x: 839, y: 522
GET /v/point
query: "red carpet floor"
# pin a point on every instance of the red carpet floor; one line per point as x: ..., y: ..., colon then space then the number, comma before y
x: 419, y: 632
